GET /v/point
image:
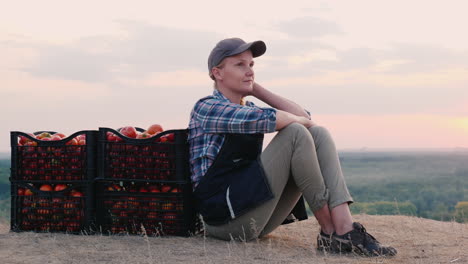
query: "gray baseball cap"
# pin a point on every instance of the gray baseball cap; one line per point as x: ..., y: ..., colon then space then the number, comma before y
x: 233, y: 46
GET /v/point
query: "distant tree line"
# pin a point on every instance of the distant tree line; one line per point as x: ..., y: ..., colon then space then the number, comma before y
x: 435, y: 198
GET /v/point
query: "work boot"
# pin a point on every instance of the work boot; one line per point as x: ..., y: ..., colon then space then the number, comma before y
x: 360, y: 242
x: 324, y: 242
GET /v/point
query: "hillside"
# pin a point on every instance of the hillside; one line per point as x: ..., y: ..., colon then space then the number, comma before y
x: 418, y: 240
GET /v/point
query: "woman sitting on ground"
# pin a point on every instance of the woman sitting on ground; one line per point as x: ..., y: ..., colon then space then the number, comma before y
x: 245, y: 193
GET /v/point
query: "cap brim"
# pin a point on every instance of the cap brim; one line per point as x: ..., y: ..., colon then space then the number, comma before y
x: 257, y: 48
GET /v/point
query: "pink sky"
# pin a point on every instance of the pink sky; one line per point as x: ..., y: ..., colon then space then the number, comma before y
x: 390, y: 75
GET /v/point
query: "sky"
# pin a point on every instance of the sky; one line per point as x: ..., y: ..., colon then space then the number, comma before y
x: 377, y: 74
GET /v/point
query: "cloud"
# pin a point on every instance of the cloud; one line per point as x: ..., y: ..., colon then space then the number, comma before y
x: 356, y: 58
x: 309, y: 27
x: 423, y: 58
x: 401, y: 59
x: 401, y: 63
x: 365, y: 91
x: 139, y: 50
x: 291, y: 46
x: 153, y: 60
x: 165, y: 49
x: 72, y: 63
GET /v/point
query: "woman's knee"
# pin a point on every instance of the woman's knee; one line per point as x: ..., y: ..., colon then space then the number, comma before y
x: 319, y: 130
x: 295, y: 129
x: 319, y: 133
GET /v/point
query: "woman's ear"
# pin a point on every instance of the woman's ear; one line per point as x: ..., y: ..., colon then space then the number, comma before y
x: 217, y: 73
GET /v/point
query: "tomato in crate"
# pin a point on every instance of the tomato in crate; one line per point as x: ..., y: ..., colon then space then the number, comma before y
x: 163, y: 156
x: 51, y: 208
x: 150, y: 207
x: 52, y: 157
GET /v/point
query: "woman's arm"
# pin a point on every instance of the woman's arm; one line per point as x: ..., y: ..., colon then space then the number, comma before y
x: 215, y: 115
x: 284, y: 118
x: 277, y: 101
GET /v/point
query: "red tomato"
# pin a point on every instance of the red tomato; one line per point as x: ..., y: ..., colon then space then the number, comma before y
x: 28, y: 192
x: 75, y: 193
x: 154, y: 129
x: 154, y: 188
x: 56, y: 201
x: 176, y: 190
x: 56, y: 137
x: 20, y: 191
x: 61, y: 135
x: 114, y: 188
x: 45, y: 188
x: 23, y: 140
x: 113, y: 137
x: 133, y: 202
x: 110, y: 136
x: 152, y: 215
x: 81, y: 139
x: 129, y: 131
x: 170, y: 137
x: 168, y: 206
x: 165, y: 188
x: 170, y: 218
x: 69, y: 204
x: 43, y: 135
x: 60, y: 187
x: 144, y: 135
x: 72, y: 142
x: 31, y: 143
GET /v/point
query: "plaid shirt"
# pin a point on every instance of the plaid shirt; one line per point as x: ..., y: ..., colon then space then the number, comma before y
x: 214, y: 116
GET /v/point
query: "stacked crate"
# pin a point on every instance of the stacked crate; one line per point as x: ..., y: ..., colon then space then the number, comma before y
x: 143, y: 185
x: 52, y: 182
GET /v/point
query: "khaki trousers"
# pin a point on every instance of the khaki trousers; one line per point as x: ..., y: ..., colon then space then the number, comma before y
x: 297, y: 161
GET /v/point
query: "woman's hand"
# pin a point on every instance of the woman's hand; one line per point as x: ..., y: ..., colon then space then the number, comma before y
x: 305, y: 121
x: 283, y: 119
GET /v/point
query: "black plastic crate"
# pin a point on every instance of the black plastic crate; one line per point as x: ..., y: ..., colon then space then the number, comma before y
x: 67, y: 210
x: 163, y: 157
x: 61, y: 160
x: 142, y: 207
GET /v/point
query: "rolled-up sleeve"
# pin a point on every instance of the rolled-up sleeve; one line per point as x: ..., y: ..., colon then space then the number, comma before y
x: 216, y: 116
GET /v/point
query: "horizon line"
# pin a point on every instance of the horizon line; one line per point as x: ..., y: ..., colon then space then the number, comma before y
x: 372, y: 149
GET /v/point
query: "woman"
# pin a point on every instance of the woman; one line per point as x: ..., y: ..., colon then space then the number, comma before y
x: 245, y: 193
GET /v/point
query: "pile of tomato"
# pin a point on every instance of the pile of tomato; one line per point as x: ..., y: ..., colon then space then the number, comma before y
x: 157, y: 207
x: 48, y: 207
x: 51, y: 136
x: 136, y: 193
x: 41, y: 161
x: 132, y: 132
x: 128, y: 159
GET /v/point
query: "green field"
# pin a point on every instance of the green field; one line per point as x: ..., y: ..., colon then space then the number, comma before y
x: 433, y: 182
x: 425, y: 184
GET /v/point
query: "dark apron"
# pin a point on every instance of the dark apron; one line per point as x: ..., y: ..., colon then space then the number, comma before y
x: 236, y: 183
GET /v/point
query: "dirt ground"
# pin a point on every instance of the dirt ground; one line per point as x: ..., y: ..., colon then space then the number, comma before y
x: 417, y: 241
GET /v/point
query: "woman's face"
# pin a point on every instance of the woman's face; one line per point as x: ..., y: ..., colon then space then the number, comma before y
x: 236, y: 73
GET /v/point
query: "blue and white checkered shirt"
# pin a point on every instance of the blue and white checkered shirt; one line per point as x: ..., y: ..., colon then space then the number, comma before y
x: 211, y: 118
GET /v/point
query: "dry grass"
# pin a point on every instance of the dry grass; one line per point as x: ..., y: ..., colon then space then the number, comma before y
x: 417, y: 240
